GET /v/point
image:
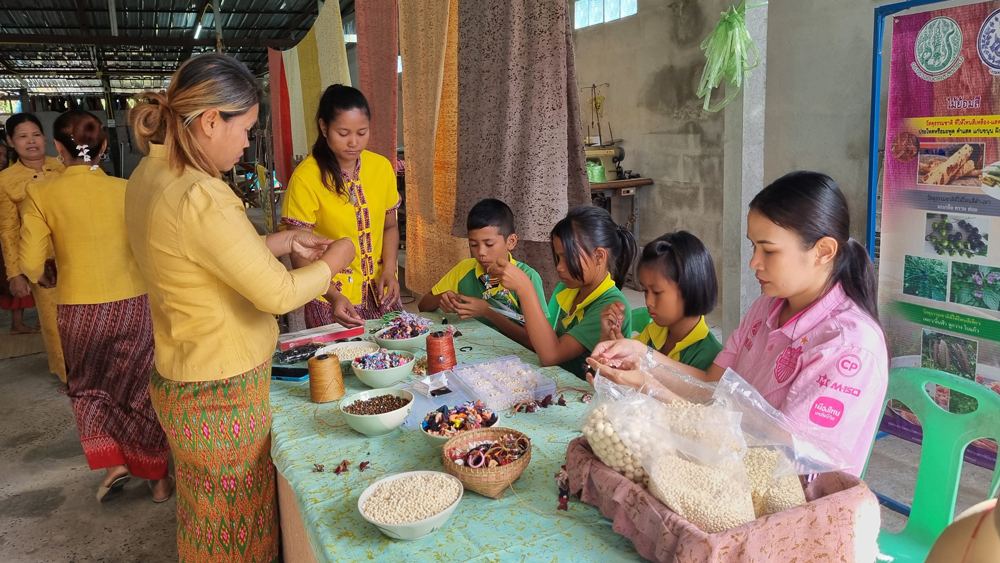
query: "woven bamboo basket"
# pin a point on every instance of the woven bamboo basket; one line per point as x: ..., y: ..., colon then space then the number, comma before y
x: 489, y: 482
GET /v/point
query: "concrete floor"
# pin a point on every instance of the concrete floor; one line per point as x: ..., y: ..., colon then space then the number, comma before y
x: 48, y: 512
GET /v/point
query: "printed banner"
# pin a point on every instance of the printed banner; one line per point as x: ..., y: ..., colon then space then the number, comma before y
x: 939, y: 275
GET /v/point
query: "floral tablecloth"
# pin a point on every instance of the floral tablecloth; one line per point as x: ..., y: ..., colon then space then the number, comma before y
x: 523, y: 525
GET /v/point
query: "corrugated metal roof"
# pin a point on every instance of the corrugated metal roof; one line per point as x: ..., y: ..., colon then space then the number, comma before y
x: 53, y: 66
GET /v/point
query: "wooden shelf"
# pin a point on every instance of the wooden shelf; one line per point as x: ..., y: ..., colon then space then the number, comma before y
x: 616, y: 184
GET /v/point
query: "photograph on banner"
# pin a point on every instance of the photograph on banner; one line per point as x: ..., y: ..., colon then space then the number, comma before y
x: 950, y: 164
x: 962, y: 236
x: 939, y: 278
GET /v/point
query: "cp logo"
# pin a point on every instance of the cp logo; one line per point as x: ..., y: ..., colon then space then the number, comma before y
x: 849, y: 365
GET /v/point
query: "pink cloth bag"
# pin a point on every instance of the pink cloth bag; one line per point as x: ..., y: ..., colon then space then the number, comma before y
x: 840, y: 523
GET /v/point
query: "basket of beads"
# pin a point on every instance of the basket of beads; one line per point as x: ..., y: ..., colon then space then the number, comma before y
x: 487, y: 460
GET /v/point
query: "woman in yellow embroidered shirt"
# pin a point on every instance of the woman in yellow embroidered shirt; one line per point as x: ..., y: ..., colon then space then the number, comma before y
x: 26, y: 136
x: 214, y: 288
x: 342, y: 190
x: 103, y: 313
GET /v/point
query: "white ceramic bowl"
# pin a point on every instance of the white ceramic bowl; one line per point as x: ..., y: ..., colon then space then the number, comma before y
x: 346, y: 361
x: 375, y: 425
x: 379, y: 378
x: 410, y: 530
x: 408, y: 344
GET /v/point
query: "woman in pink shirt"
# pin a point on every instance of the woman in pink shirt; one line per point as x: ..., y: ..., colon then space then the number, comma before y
x: 811, y: 344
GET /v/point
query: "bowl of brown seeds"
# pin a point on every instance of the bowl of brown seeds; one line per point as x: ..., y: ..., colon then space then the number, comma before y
x: 376, y: 412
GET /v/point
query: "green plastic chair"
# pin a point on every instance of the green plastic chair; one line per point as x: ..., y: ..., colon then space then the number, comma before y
x: 945, y: 437
x: 640, y: 318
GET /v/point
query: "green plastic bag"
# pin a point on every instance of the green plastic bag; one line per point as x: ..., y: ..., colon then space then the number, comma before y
x: 727, y: 52
x: 595, y: 172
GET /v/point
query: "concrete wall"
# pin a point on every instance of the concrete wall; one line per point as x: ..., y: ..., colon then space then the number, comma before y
x: 818, y: 91
x: 653, y: 62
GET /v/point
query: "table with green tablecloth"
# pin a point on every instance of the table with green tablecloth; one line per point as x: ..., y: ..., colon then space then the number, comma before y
x: 523, y: 525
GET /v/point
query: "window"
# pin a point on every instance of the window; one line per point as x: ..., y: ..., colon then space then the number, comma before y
x: 593, y: 12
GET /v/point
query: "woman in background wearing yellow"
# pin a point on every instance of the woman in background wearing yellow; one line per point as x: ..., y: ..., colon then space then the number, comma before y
x: 214, y: 288
x: 104, y: 321
x: 342, y: 190
x: 26, y: 137
x: 16, y: 305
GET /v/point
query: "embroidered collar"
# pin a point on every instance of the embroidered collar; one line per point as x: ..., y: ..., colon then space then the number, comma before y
x: 566, y: 296
x: 356, y: 175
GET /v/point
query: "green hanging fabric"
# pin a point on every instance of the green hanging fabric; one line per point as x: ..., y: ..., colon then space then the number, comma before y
x: 727, y: 51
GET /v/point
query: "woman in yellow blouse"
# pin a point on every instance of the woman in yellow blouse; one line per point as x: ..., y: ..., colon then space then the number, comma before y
x: 342, y: 190
x: 26, y: 137
x: 103, y: 313
x: 214, y: 288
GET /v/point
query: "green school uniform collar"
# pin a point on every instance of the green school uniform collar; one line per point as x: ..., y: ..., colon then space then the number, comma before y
x: 566, y: 296
x: 658, y: 336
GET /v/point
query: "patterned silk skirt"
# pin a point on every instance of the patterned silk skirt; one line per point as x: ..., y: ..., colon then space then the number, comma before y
x: 320, y: 313
x: 220, y: 435
x: 109, y: 354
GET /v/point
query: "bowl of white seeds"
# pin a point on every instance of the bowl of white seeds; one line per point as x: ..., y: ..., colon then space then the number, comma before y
x: 411, y: 505
x: 347, y: 352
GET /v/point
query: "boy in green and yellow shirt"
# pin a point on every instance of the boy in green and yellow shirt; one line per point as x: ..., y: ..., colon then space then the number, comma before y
x: 469, y: 291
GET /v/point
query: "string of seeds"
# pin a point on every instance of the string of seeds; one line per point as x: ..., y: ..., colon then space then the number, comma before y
x: 376, y: 405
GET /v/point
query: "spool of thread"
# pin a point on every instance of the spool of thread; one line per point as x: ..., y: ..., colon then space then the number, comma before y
x: 326, y: 382
x: 440, y: 352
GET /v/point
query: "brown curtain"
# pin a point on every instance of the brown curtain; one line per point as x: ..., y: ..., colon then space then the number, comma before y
x: 519, y: 136
x: 378, y: 46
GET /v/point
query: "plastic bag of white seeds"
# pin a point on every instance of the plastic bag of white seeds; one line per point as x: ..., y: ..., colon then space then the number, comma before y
x: 608, y: 445
x: 695, y: 464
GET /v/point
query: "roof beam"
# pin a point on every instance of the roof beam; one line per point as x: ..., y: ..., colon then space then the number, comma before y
x: 43, y: 39
x: 81, y: 18
x: 174, y: 12
x: 309, y: 10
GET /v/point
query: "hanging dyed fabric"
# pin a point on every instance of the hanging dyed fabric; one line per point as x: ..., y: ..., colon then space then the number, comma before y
x: 519, y: 137
x: 727, y: 51
x: 378, y: 46
x: 428, y: 35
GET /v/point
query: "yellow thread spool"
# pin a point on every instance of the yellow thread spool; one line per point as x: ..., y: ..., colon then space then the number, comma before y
x: 326, y: 382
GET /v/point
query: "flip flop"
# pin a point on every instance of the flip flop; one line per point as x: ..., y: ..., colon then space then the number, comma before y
x: 169, y: 494
x: 104, y: 493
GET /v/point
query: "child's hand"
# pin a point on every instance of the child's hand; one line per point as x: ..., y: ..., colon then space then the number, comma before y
x: 448, y: 302
x: 510, y: 276
x: 612, y: 317
x: 626, y: 376
x: 471, y: 307
x: 615, y: 353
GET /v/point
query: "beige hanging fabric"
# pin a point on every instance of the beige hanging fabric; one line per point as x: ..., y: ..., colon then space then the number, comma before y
x: 430, y: 137
x: 318, y: 61
x: 423, y: 36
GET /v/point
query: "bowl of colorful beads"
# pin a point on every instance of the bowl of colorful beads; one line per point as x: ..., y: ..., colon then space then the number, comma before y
x: 444, y: 424
x: 405, y: 332
x: 384, y: 367
x: 377, y: 412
